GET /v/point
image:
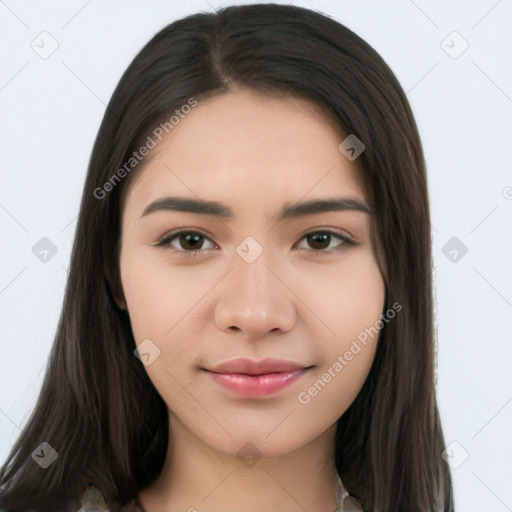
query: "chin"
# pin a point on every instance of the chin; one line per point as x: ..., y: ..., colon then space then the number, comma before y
x: 250, y: 445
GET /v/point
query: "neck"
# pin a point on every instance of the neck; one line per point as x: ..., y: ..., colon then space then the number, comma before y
x: 196, y: 477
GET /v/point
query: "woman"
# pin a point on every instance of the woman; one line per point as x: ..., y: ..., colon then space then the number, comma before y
x: 210, y: 354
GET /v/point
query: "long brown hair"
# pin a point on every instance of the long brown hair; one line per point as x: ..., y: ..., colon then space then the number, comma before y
x: 98, y: 408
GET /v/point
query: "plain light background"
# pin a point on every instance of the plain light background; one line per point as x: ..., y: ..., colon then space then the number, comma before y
x: 51, y: 109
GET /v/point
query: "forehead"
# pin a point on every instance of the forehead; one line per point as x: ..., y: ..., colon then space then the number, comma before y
x: 244, y: 148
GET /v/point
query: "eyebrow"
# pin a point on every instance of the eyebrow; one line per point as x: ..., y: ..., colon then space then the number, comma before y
x: 289, y: 211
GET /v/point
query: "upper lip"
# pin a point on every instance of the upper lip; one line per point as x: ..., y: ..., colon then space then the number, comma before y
x: 252, y: 367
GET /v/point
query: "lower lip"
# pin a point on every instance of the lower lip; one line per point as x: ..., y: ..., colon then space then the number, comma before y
x: 257, y: 385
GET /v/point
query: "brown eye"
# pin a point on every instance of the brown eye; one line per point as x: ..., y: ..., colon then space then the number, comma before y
x: 189, y: 241
x: 319, y: 241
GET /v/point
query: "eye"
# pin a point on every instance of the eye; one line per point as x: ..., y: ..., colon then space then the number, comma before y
x: 321, y: 240
x: 190, y: 242
x: 187, y: 239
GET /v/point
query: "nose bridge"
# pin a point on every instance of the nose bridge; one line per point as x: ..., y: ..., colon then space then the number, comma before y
x: 254, y: 284
x: 253, y: 299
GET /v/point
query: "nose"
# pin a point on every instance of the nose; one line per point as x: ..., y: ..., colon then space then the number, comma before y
x: 255, y: 299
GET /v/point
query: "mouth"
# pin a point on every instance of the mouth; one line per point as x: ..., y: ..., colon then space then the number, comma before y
x: 250, y: 378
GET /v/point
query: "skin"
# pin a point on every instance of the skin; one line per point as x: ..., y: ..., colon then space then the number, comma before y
x: 290, y: 302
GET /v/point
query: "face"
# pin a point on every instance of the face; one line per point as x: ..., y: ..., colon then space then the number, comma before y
x: 249, y: 319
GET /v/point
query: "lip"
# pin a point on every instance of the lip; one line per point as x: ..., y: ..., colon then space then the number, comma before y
x: 251, y: 378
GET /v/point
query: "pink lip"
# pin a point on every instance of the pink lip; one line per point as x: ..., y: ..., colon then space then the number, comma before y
x: 256, y: 378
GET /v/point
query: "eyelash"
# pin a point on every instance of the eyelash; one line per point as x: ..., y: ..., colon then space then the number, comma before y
x: 165, y: 241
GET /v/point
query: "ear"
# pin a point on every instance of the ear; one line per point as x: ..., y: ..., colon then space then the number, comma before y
x: 113, y: 278
x: 117, y: 294
x: 120, y: 302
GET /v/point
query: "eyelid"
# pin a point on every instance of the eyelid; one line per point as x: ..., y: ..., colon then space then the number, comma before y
x: 345, y: 240
x: 163, y: 241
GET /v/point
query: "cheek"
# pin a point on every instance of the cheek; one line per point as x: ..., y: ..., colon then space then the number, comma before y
x: 157, y: 307
x: 361, y: 298
x: 157, y: 294
x: 347, y: 298
x: 350, y: 312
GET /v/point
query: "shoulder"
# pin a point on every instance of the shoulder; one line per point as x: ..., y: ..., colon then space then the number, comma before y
x: 132, y: 506
x: 93, y: 501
